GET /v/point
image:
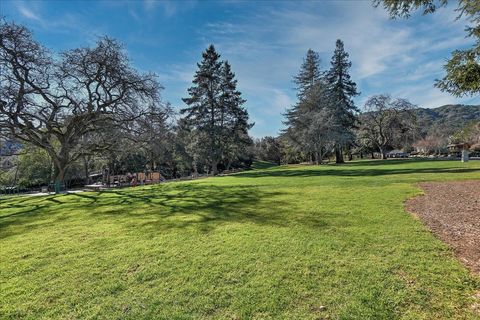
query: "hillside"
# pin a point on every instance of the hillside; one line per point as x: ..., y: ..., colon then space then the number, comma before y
x: 450, y: 117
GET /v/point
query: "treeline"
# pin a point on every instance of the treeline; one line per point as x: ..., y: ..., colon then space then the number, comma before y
x: 324, y: 124
x: 88, y: 110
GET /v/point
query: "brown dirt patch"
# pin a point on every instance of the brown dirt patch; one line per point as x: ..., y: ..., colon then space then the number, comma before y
x: 452, y: 212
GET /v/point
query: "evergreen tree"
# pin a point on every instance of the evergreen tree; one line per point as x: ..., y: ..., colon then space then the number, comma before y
x: 309, y: 73
x: 319, y: 128
x: 342, y: 90
x: 203, y: 111
x: 215, y: 109
x: 303, y: 118
x: 234, y: 118
x: 306, y: 78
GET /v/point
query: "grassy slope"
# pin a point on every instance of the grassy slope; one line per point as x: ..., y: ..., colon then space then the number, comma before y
x: 274, y: 243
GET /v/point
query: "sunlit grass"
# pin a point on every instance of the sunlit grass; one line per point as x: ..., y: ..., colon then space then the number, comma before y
x: 262, y: 244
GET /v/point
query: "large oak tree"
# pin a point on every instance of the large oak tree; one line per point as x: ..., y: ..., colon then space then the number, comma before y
x: 60, y: 102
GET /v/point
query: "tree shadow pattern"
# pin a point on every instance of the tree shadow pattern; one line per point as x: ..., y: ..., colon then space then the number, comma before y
x: 199, y: 205
x: 160, y: 207
x: 371, y: 170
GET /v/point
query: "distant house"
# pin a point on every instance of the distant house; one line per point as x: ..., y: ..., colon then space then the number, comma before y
x: 397, y: 154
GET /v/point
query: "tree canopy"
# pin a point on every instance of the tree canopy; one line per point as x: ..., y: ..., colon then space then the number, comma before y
x: 58, y: 102
x: 215, y: 111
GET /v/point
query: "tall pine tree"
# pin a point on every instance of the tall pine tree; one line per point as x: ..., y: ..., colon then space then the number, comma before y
x: 309, y: 73
x: 215, y: 109
x: 306, y: 78
x: 310, y: 85
x: 234, y: 118
x: 203, y: 109
x: 342, y: 89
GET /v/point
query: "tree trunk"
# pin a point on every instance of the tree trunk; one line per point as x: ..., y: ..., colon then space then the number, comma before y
x: 382, y: 152
x: 59, y: 177
x: 373, y: 155
x: 107, y: 176
x: 174, y: 172
x: 339, y: 155
x: 195, y: 168
x: 214, y: 167
x: 321, y: 155
x: 85, y: 164
x: 15, y: 179
x: 60, y: 161
x: 229, y: 164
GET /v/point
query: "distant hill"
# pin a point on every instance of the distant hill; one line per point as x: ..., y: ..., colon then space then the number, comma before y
x: 448, y: 117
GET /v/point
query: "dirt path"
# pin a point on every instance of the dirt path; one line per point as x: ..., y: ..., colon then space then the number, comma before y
x: 452, y: 211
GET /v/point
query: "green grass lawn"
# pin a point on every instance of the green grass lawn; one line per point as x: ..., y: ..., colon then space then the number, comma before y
x: 275, y: 243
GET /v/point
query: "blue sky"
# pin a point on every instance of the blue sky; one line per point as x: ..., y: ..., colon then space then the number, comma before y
x: 264, y: 41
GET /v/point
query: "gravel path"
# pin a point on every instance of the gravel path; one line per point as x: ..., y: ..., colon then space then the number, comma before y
x: 452, y: 212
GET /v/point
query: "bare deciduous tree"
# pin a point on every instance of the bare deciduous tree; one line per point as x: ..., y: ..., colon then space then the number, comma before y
x: 385, y: 121
x: 56, y: 101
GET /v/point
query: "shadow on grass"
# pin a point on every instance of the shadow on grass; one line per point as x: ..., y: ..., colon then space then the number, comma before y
x: 344, y: 171
x: 187, y: 205
x: 27, y: 217
x: 156, y: 208
x: 262, y: 165
x: 379, y: 162
x: 181, y: 205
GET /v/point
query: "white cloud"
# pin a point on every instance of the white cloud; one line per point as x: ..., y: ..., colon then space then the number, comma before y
x: 150, y: 4
x: 71, y: 23
x: 426, y: 71
x: 425, y: 95
x: 178, y: 73
x: 169, y: 7
x: 280, y: 100
x: 29, y: 12
x: 133, y: 13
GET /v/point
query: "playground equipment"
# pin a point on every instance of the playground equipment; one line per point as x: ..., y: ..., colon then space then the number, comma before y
x: 123, y: 180
x: 133, y: 179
